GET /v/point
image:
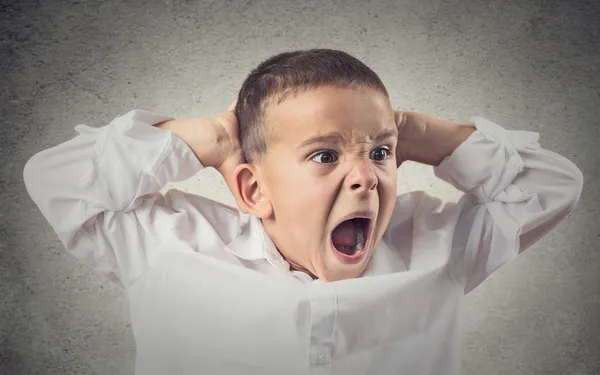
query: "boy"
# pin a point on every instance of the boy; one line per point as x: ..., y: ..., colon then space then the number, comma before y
x: 326, y: 270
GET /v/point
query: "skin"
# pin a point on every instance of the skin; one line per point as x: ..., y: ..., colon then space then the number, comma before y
x: 302, y: 192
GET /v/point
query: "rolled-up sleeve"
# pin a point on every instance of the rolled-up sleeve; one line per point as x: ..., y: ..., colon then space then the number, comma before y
x: 515, y: 193
x: 100, y: 191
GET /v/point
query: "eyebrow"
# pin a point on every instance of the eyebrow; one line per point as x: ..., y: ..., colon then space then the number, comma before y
x: 336, y: 138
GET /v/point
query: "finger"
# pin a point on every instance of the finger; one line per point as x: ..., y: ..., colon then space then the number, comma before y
x: 399, y: 117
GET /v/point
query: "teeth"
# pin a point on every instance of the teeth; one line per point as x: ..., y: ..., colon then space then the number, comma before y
x: 360, y: 238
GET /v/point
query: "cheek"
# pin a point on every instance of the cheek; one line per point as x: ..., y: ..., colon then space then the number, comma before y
x: 301, y: 200
x: 388, y: 183
x: 388, y: 186
x: 312, y: 203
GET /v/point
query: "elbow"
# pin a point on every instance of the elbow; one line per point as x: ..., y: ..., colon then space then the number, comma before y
x: 553, y: 208
x: 563, y: 184
x: 31, y: 170
x: 35, y: 175
x: 578, y: 179
x: 575, y: 177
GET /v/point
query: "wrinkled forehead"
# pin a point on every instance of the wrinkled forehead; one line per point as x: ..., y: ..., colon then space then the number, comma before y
x: 353, y: 114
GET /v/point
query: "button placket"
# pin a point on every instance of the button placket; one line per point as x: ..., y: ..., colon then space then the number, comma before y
x: 323, y: 306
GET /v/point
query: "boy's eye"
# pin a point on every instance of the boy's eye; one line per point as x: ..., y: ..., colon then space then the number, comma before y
x: 325, y: 157
x: 380, y: 154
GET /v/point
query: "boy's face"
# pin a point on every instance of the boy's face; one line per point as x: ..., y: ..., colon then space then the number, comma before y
x: 313, y: 186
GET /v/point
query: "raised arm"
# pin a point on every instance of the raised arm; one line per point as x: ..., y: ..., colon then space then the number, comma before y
x: 100, y: 191
x: 514, y: 191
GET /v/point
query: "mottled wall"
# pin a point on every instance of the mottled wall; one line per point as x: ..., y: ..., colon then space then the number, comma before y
x: 531, y: 65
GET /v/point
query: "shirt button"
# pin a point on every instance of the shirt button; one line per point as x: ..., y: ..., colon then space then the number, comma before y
x: 322, y: 359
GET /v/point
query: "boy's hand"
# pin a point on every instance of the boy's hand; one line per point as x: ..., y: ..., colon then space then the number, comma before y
x: 426, y: 139
x: 231, y: 152
x: 213, y: 139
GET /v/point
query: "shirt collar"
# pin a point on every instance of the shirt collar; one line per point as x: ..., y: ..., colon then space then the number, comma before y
x: 254, y: 243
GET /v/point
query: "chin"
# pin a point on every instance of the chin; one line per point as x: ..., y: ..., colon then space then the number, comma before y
x: 338, y: 276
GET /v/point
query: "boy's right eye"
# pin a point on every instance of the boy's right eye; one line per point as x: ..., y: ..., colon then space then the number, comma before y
x: 325, y: 157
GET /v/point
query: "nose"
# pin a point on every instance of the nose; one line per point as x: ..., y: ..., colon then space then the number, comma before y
x: 362, y: 178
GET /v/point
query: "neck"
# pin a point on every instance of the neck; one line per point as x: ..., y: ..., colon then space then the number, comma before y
x: 293, y: 266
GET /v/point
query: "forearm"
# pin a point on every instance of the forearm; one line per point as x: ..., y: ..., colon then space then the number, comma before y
x: 105, y: 169
x: 427, y: 139
x: 515, y: 193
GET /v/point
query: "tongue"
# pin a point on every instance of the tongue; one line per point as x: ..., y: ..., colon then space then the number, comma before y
x: 344, y: 234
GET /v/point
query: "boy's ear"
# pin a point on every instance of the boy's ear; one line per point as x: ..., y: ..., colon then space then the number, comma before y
x: 248, y: 192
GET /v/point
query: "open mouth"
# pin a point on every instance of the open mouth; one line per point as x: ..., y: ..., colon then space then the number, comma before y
x: 350, y: 236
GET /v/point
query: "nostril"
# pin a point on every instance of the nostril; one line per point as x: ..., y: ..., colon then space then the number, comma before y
x: 358, y: 186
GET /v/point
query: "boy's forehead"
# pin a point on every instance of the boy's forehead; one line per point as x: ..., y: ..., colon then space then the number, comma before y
x: 327, y: 110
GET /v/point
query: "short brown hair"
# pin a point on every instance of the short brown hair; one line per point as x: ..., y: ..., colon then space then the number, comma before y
x: 287, y: 74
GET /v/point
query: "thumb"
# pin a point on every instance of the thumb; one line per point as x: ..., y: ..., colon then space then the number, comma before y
x: 400, y: 117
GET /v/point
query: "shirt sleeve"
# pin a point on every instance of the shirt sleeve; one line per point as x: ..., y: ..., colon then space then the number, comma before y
x: 100, y: 191
x: 515, y: 193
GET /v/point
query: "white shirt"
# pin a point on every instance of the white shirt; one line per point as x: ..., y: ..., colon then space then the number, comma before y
x: 210, y: 294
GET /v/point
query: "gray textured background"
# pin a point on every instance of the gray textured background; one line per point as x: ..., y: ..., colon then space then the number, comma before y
x: 531, y: 65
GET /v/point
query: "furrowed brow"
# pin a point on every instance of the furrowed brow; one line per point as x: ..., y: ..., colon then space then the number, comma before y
x: 321, y: 139
x: 387, y: 133
x: 335, y: 138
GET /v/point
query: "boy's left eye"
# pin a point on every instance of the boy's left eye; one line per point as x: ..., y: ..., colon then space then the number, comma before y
x: 380, y: 154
